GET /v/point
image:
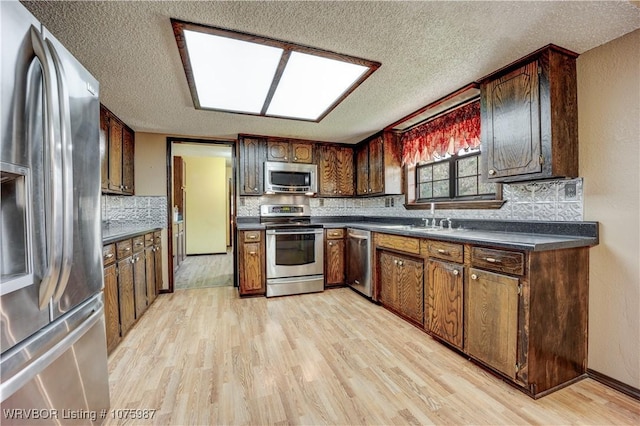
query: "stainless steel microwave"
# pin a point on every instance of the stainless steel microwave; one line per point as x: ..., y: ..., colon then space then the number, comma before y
x: 290, y: 178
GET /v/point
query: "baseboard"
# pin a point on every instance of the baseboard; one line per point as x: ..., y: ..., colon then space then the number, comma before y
x: 615, y: 384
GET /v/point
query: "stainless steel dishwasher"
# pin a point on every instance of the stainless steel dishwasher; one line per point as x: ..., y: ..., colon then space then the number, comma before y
x: 359, y: 260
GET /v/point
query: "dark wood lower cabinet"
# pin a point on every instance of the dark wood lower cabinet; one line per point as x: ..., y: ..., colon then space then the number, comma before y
x: 334, y: 257
x: 126, y: 296
x: 492, y: 328
x: 111, y: 307
x: 251, y: 263
x: 402, y: 285
x: 150, y: 274
x: 522, y: 314
x: 140, y: 283
x: 130, y: 283
x: 444, y: 301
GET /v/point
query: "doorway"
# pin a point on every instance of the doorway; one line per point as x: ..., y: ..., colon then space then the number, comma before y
x: 200, y: 187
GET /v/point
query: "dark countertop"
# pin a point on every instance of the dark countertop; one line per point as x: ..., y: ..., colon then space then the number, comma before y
x: 529, y: 236
x: 115, y: 233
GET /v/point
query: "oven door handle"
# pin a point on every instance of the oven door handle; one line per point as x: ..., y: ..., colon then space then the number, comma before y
x: 294, y: 232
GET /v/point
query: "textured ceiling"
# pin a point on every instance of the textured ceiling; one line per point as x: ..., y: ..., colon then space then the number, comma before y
x: 427, y: 50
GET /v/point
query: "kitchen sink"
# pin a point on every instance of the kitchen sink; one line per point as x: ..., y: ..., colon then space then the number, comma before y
x: 415, y: 228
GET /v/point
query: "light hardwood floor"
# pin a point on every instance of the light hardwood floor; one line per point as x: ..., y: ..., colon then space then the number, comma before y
x: 205, y: 356
x: 214, y: 270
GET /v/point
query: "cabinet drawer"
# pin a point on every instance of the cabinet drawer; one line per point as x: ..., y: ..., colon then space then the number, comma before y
x: 335, y: 234
x: 148, y: 239
x: 138, y: 243
x: 446, y: 251
x: 251, y: 236
x: 397, y: 242
x: 511, y: 262
x: 123, y: 249
x: 108, y: 254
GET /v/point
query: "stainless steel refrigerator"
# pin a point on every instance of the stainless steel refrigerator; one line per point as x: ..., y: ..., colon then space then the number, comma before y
x: 53, y: 362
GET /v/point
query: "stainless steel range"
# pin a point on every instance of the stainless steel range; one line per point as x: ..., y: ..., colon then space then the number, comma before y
x: 295, y: 250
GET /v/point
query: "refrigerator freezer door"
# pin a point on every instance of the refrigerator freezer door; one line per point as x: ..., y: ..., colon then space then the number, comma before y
x: 80, y: 118
x: 59, y: 376
x: 22, y: 146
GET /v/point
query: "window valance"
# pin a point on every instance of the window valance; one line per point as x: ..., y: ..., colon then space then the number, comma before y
x: 449, y: 133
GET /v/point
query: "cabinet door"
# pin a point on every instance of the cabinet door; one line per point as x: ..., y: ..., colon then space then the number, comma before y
x: 345, y: 174
x: 150, y: 273
x: 158, y: 261
x: 302, y: 152
x: 376, y: 166
x: 328, y: 171
x: 127, y: 161
x: 115, y: 155
x: 492, y: 326
x: 362, y: 174
x: 511, y: 124
x: 104, y: 149
x: 111, y: 308
x: 387, y: 278
x: 278, y: 151
x: 334, y: 262
x: 410, y: 278
x: 139, y: 283
x: 125, y: 294
x: 251, y: 269
x: 444, y: 301
x: 252, y: 156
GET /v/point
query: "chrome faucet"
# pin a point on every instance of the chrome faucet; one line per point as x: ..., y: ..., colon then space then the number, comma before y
x: 448, y: 223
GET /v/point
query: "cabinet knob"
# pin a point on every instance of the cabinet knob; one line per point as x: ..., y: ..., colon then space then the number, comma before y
x: 442, y: 251
x: 295, y: 158
x: 492, y: 260
x: 252, y: 253
x: 255, y: 189
x: 108, y: 256
x: 474, y: 277
x: 492, y: 172
x: 251, y: 237
x: 395, y: 261
x: 330, y: 243
x: 456, y: 272
x: 285, y: 157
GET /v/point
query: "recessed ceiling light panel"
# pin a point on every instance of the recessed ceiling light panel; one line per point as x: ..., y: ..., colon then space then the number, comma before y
x: 311, y: 84
x: 231, y: 74
x: 237, y: 72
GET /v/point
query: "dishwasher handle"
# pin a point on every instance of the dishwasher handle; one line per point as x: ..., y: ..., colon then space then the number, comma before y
x: 358, y: 237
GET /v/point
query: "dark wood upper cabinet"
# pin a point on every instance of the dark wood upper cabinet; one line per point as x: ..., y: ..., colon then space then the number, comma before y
x: 529, y: 116
x: 335, y: 171
x: 289, y: 151
x: 104, y: 150
x: 378, y: 164
x: 252, y: 155
x: 117, y: 145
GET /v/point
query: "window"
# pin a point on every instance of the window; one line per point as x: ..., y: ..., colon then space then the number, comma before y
x: 455, y: 177
x: 243, y: 73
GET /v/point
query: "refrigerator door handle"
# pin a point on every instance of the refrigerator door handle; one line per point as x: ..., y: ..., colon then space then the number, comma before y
x: 53, y: 177
x: 67, y: 174
x: 14, y: 383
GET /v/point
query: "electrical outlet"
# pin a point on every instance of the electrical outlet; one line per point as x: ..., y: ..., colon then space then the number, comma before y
x: 570, y: 191
x: 320, y: 202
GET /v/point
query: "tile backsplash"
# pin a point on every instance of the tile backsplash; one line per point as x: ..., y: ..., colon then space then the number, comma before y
x: 558, y: 200
x: 135, y: 210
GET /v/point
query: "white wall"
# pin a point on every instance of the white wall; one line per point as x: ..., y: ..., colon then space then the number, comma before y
x: 609, y: 131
